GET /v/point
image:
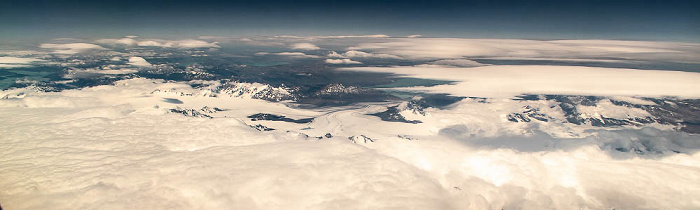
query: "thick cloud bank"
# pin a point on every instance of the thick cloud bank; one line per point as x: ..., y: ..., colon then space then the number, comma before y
x: 305, y: 46
x: 14, y: 62
x: 119, y: 147
x: 508, y: 81
x: 134, y: 41
x: 454, y: 48
x: 71, y: 48
x: 342, y: 61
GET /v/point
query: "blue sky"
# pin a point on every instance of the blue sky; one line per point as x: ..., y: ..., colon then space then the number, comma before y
x: 632, y: 20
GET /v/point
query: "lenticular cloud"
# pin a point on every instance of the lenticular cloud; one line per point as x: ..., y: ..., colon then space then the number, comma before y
x: 118, y: 147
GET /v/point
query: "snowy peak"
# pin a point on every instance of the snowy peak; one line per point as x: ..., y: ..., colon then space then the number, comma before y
x: 338, y: 89
x: 415, y: 106
x: 254, y: 90
x: 201, y: 113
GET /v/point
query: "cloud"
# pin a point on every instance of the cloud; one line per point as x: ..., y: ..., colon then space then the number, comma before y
x: 454, y: 48
x: 139, y: 62
x: 296, y: 54
x: 352, y: 36
x: 457, y: 62
x: 342, y: 61
x: 567, y: 59
x: 15, y: 62
x: 191, y: 43
x: 116, y: 146
x: 112, y: 71
x: 71, y: 48
x: 151, y: 43
x: 75, y: 73
x: 173, y: 167
x: 508, y: 81
x: 305, y: 46
x: 123, y: 41
x: 133, y: 41
x: 289, y: 54
x: 360, y: 54
x: 185, y: 44
x: 8, y: 66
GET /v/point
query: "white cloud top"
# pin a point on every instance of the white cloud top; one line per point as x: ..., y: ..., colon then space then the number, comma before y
x: 342, y: 61
x: 117, y: 147
x: 360, y: 54
x: 352, y: 36
x: 289, y: 54
x: 15, y: 62
x: 184, y: 44
x: 508, y: 81
x: 122, y: 41
x: 457, y: 62
x: 305, y: 46
x: 189, y: 43
x: 71, y: 48
x: 443, y: 48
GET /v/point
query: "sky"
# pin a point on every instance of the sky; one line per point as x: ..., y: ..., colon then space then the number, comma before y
x: 630, y: 20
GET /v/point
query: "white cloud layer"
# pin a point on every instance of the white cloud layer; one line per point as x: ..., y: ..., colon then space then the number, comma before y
x: 117, y: 147
x: 304, y: 46
x: 453, y: 48
x: 289, y: 54
x: 122, y: 41
x: 508, y: 81
x: 342, y: 61
x: 457, y: 62
x: 353, y: 36
x: 112, y: 71
x: 71, y: 48
x: 184, y: 44
x: 360, y: 54
x: 74, y: 73
x: 189, y: 43
x: 15, y: 62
